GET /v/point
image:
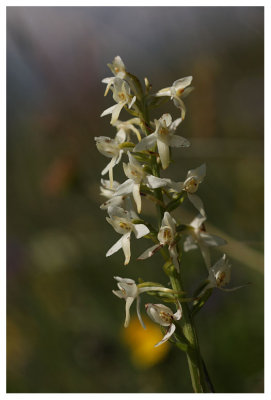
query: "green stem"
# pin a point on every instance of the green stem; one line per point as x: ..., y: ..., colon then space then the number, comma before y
x: 194, y: 359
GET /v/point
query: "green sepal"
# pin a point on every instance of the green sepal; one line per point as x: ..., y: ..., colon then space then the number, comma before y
x: 154, y: 102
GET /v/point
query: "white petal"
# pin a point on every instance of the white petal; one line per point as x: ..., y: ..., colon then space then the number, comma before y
x: 147, y: 143
x: 197, y: 202
x: 138, y: 312
x: 126, y: 247
x: 113, y: 202
x: 178, y: 141
x: 175, y: 124
x: 132, y: 102
x: 154, y: 182
x: 163, y: 151
x: 212, y: 240
x: 114, y: 248
x: 169, y: 333
x: 168, y: 220
x: 164, y: 92
x: 183, y: 82
x: 176, y: 186
x: 125, y: 188
x: 109, y: 166
x: 108, y: 110
x: 180, y: 104
x: 199, y: 173
x: 137, y: 197
x: 178, y: 314
x: 128, y: 304
x: 116, y: 112
x: 140, y: 230
x: 189, y: 244
x: 149, y: 252
x: 167, y: 118
x: 117, y: 212
x: 197, y: 221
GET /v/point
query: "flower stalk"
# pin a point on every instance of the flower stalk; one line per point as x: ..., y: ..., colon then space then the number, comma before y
x: 145, y: 158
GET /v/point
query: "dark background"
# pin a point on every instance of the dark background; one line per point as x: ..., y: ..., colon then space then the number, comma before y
x: 64, y: 326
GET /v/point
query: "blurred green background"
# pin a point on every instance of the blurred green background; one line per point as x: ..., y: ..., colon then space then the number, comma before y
x: 64, y: 326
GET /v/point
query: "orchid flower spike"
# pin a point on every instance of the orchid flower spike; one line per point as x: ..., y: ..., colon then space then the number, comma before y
x: 164, y: 138
x: 136, y: 175
x: 121, y: 95
x: 164, y: 316
x: 177, y: 91
x: 166, y: 236
x: 129, y: 291
x: 110, y: 148
x: 122, y: 223
x: 198, y: 237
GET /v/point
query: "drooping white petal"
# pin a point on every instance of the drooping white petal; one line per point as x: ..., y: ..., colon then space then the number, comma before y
x: 163, y: 151
x: 119, y: 294
x: 180, y: 104
x: 137, y: 197
x: 116, y: 247
x: 169, y: 333
x: 109, y: 167
x: 197, y: 202
x: 129, y: 302
x: 178, y: 314
x: 149, y: 252
x: 147, y: 143
x: 140, y: 230
x: 126, y: 247
x: 138, y: 312
x: 178, y: 141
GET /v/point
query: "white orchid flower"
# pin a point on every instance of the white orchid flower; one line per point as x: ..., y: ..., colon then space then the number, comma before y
x: 220, y: 275
x: 129, y: 291
x: 122, y: 223
x: 164, y: 138
x: 118, y: 69
x: 198, y: 237
x: 123, y: 201
x: 121, y: 95
x: 166, y: 236
x: 136, y: 175
x: 177, y: 91
x: 190, y: 186
x: 128, y: 126
x: 164, y: 316
x: 110, y: 148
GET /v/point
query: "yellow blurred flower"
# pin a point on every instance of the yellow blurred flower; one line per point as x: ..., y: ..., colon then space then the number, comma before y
x: 141, y: 343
